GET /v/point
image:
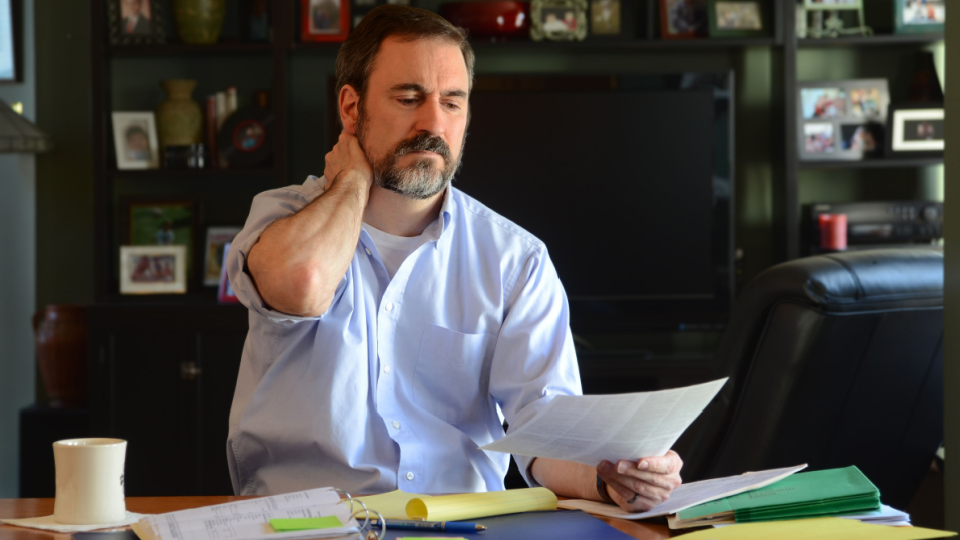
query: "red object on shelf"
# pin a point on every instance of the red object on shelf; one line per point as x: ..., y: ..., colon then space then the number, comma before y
x: 489, y: 19
x: 833, y: 232
x: 324, y: 21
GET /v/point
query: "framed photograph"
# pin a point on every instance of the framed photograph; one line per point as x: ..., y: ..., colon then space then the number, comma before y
x: 135, y: 22
x: 153, y: 270
x: 160, y: 222
x: 916, y: 130
x: 737, y: 18
x: 613, y: 19
x: 225, y: 294
x: 9, y: 41
x: 832, y: 5
x: 324, y: 20
x: 683, y: 19
x: 217, y: 239
x: 558, y: 20
x: 919, y: 16
x: 842, y: 120
x: 135, y: 140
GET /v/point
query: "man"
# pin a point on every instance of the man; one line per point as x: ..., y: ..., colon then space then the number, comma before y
x: 392, y: 317
x: 134, y: 22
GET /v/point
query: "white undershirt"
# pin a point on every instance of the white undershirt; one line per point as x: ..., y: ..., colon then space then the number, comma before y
x: 395, y: 249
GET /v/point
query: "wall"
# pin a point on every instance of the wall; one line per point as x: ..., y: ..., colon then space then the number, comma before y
x: 951, y: 352
x: 17, y: 270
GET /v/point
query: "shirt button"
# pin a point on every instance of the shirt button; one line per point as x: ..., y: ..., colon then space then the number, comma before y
x: 395, y: 424
x: 386, y: 369
x: 368, y: 251
x: 409, y: 476
x: 389, y: 306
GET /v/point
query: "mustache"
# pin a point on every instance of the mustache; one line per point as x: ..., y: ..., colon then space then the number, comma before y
x: 423, y: 143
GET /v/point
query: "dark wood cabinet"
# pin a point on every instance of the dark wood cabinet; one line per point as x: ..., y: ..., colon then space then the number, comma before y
x: 162, y: 378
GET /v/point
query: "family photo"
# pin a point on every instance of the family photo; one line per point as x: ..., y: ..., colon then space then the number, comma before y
x: 823, y: 102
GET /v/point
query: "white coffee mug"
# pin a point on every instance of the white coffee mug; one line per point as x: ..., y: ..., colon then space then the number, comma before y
x: 89, y: 481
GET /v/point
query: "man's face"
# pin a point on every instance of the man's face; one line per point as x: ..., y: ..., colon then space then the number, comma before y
x: 412, y: 121
x: 138, y: 141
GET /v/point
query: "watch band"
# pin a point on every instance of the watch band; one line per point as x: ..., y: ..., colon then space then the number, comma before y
x: 602, y: 490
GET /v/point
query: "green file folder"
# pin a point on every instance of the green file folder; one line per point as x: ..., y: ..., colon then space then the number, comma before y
x: 831, y: 492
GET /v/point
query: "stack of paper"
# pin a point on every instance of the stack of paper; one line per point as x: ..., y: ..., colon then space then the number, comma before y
x: 832, y: 492
x: 250, y: 519
x: 885, y: 516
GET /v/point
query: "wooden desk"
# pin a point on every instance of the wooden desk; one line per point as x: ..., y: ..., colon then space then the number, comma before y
x: 23, y: 508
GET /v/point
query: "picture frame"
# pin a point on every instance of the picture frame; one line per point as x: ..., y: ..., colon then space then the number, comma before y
x: 217, y: 238
x: 683, y: 19
x: 10, y: 48
x: 160, y: 221
x: 842, y: 120
x: 558, y: 20
x: 153, y: 270
x: 919, y: 16
x: 135, y: 140
x: 738, y: 18
x: 324, y: 20
x: 225, y: 294
x: 916, y: 130
x: 613, y: 20
x: 143, y: 26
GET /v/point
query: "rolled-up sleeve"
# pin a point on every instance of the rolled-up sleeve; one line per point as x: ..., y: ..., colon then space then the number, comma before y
x: 267, y: 208
x: 534, y: 358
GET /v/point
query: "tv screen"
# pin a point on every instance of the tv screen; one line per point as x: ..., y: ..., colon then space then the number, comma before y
x: 626, y: 179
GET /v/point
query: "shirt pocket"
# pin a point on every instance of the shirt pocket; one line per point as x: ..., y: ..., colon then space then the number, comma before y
x: 452, y: 378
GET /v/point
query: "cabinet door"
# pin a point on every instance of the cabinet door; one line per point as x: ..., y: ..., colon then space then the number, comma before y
x: 162, y: 378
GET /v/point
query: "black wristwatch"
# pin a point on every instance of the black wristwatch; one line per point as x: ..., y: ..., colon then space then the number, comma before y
x: 602, y: 490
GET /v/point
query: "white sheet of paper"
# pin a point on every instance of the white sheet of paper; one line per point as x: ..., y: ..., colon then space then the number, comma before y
x: 688, y: 495
x: 250, y: 519
x: 590, y: 429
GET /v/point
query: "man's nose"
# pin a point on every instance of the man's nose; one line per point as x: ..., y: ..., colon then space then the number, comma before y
x: 430, y: 118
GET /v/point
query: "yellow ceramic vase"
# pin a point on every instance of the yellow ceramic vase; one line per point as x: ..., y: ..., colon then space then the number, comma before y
x: 179, y: 118
x: 199, y: 22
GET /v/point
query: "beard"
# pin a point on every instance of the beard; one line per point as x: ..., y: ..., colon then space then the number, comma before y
x: 420, y: 180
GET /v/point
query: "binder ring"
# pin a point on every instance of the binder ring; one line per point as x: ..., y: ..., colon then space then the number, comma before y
x: 371, y: 534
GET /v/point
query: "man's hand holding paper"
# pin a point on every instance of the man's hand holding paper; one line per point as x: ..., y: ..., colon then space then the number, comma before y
x: 600, y: 431
x: 637, y: 486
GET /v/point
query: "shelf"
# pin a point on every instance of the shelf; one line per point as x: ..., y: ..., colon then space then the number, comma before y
x: 875, y: 40
x: 889, y: 163
x: 588, y: 45
x: 191, y: 173
x: 190, y: 300
x: 183, y: 49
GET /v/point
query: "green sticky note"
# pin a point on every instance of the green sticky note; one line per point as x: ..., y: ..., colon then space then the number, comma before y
x: 305, y: 524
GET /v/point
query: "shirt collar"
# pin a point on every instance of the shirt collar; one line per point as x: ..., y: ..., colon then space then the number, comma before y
x: 446, y: 215
x: 446, y: 210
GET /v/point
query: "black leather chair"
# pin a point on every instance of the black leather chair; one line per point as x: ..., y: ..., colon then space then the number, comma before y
x: 834, y: 360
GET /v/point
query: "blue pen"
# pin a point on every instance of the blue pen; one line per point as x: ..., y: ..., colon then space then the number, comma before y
x: 446, y: 526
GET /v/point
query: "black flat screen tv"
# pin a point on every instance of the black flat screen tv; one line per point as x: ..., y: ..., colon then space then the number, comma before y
x: 628, y: 180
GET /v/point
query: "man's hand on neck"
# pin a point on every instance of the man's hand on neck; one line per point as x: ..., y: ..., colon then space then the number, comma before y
x: 395, y: 214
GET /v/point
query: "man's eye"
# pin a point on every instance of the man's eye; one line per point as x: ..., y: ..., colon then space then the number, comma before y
x: 407, y: 101
x: 453, y: 106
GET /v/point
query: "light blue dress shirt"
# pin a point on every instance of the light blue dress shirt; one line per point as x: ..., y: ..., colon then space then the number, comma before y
x: 400, y: 381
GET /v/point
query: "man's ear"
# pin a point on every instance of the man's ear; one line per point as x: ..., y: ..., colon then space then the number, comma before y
x: 349, y: 111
